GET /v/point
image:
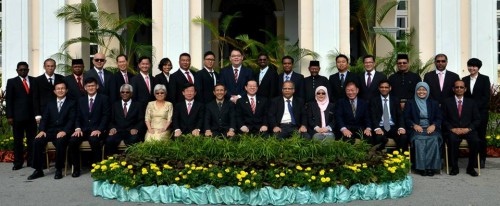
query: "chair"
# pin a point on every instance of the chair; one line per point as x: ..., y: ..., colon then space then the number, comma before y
x: 463, y: 146
x: 84, y: 147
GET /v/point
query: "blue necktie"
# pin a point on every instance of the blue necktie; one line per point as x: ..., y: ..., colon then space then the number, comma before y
x: 290, y: 110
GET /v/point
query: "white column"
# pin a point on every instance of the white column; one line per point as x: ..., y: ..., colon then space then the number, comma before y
x: 176, y: 23
x: 448, y: 32
x: 306, y: 38
x: 52, y: 30
x: 483, y: 31
x: 326, y: 30
x: 196, y: 32
x: 15, y: 37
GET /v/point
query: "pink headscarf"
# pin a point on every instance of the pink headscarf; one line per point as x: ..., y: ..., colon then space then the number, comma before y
x: 322, y: 104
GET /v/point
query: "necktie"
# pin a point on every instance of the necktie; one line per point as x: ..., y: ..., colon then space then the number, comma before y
x: 459, y: 108
x: 353, y: 108
x: 252, y: 105
x: 59, y: 105
x: 189, y: 77
x: 147, y: 84
x: 125, y: 109
x: 125, y: 77
x: 79, y: 82
x: 369, y: 80
x: 189, y: 107
x: 91, y: 104
x: 235, y: 75
x: 441, y: 80
x: 101, y: 78
x: 385, y: 116
x: 287, y: 77
x: 290, y: 110
x: 50, y: 81
x: 342, y: 80
x: 26, y: 87
x: 213, y: 77
x: 220, y: 105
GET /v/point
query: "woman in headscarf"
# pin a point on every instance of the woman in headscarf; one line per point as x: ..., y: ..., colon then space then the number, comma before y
x: 320, y: 115
x: 423, y: 120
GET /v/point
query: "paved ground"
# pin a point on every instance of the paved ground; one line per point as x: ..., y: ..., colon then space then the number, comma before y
x: 443, y: 189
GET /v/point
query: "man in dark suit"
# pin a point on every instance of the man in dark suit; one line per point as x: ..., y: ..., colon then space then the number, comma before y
x: 287, y: 113
x: 289, y: 75
x: 461, y: 120
x: 206, y: 79
x: 57, y: 123
x: 107, y: 85
x: 251, y: 111
x: 143, y: 83
x: 122, y: 76
x: 75, y: 80
x: 46, y: 82
x: 267, y: 78
x: 351, y: 115
x: 313, y: 81
x: 163, y: 77
x: 441, y: 80
x: 369, y: 79
x: 219, y: 115
x: 479, y: 89
x: 188, y: 114
x: 404, y: 81
x: 235, y: 76
x: 387, y: 118
x: 180, y: 78
x: 91, y: 124
x: 23, y: 112
x: 339, y: 79
x: 126, y: 122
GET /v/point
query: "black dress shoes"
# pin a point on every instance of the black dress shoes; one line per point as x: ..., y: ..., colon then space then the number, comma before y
x: 58, y: 175
x: 423, y: 172
x: 17, y: 167
x: 472, y: 172
x: 454, y: 171
x: 76, y: 173
x: 429, y: 172
x: 36, y: 174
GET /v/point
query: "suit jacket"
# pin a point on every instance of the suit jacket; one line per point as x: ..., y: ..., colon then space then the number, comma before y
x: 177, y: 81
x: 74, y: 91
x: 188, y: 122
x: 314, y: 116
x: 46, y: 90
x: 337, y: 90
x: 109, y: 88
x: 297, y: 79
x: 403, y: 84
x: 432, y: 79
x: 481, y: 92
x: 162, y: 79
x: 277, y: 109
x: 205, y: 86
x: 54, y: 121
x: 366, y: 92
x: 377, y: 110
x: 245, y: 117
x: 133, y: 120
x: 412, y: 114
x: 119, y: 81
x: 141, y: 92
x: 470, y: 115
x: 216, y: 120
x: 22, y: 106
x: 98, y: 118
x: 345, y: 118
x: 232, y: 87
x: 268, y: 87
x: 310, y: 90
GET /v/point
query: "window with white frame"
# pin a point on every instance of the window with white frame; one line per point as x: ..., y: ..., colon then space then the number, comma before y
x: 94, y: 48
x: 401, y: 20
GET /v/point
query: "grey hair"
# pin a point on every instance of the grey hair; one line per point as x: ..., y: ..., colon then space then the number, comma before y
x: 160, y: 87
x: 128, y: 86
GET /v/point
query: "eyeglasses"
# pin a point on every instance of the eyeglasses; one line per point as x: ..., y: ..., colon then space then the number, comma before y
x: 459, y: 87
x: 159, y: 93
x: 99, y: 60
x: 440, y: 61
x: 402, y: 62
x: 320, y: 93
x: 124, y: 92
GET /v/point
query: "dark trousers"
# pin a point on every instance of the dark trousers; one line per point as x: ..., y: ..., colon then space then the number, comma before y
x: 481, y: 133
x: 39, y: 145
x: 453, y: 148
x: 357, y: 133
x: 95, y: 146
x: 287, y: 130
x: 20, y: 129
x: 400, y: 139
x: 113, y: 141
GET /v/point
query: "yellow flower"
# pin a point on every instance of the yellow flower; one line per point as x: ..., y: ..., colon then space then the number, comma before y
x: 130, y: 167
x: 199, y: 168
x: 238, y: 176
x: 395, y: 152
x: 189, y: 172
x: 389, y: 155
x: 358, y: 170
x: 403, y: 166
x: 488, y: 137
x: 498, y: 137
x: 406, y: 153
x: 386, y: 165
x: 177, y: 178
x: 180, y: 173
x: 184, y: 176
x: 210, y: 165
x: 168, y: 167
x: 124, y: 163
x: 92, y: 171
x: 313, y: 177
x: 331, y: 170
x: 272, y: 164
x: 227, y: 170
x: 93, y: 165
x: 277, y: 176
x: 247, y: 181
x: 219, y: 175
x: 254, y: 184
x: 298, y: 167
x: 186, y: 166
x: 104, y: 168
x: 193, y: 165
x: 211, y: 174
x: 187, y: 186
x: 97, y: 167
x: 11, y: 138
x: 158, y: 173
x: 282, y: 174
x: 114, y: 181
x: 110, y: 157
x: 308, y: 169
x: 103, y: 162
x: 239, y: 183
x: 322, y: 172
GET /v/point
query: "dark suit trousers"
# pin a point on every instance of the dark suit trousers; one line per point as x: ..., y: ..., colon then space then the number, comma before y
x: 287, y: 130
x: 453, y: 150
x: 20, y: 128
x: 95, y: 146
x: 39, y: 145
x: 113, y: 141
x: 481, y: 133
x: 357, y: 133
x: 401, y: 140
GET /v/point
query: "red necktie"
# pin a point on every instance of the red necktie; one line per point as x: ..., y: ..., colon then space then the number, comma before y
x: 189, y: 77
x: 125, y: 77
x: 26, y: 87
x: 252, y: 104
x: 125, y: 109
x: 235, y: 75
x: 459, y: 108
x: 79, y: 82
x: 147, y: 84
x: 189, y: 107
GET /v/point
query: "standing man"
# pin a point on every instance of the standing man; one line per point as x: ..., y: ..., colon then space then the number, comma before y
x: 206, y: 79
x: 252, y: 111
x: 56, y: 126
x: 287, y: 113
x: 289, y: 75
x: 313, y: 81
x: 267, y: 78
x: 352, y: 116
x: 387, y: 118
x: 461, y: 121
x: 107, y: 85
x: 180, y: 78
x: 370, y: 78
x: 46, y: 83
x: 122, y: 76
x: 74, y: 81
x: 404, y: 81
x: 23, y: 112
x: 479, y: 87
x: 143, y: 83
x: 339, y: 79
x: 188, y: 114
x: 219, y: 115
x: 441, y: 80
x: 235, y: 76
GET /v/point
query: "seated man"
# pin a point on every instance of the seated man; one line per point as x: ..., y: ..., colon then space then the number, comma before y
x: 219, y: 115
x: 56, y: 125
x: 91, y: 124
x: 387, y: 118
x: 188, y: 114
x: 251, y: 111
x: 287, y: 113
x: 127, y: 121
x: 351, y: 114
x: 461, y: 120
